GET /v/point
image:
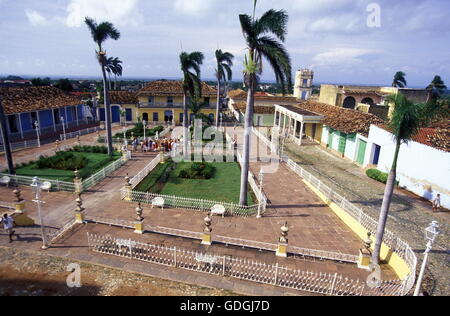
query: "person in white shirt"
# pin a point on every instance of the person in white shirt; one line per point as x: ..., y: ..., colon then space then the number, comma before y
x: 437, y: 202
x: 8, y: 224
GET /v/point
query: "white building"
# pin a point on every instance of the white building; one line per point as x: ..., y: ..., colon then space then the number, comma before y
x: 422, y: 169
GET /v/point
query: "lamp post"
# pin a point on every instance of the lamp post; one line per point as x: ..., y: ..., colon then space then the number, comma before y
x: 36, y: 185
x: 36, y: 124
x: 144, y: 123
x: 64, y: 127
x: 261, y: 179
x: 431, y: 232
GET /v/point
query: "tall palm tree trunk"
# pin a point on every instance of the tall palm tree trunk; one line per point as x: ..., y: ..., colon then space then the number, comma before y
x: 218, y: 103
x: 247, y: 143
x: 185, y: 128
x: 387, y: 199
x: 107, y: 111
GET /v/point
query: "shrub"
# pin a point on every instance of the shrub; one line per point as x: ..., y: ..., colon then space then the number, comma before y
x: 198, y: 171
x: 62, y: 161
x: 377, y: 175
x: 90, y: 149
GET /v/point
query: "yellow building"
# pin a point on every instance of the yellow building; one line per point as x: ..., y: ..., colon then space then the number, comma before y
x: 158, y: 102
x: 162, y: 101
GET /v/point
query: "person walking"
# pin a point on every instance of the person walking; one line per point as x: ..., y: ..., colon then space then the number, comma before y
x: 437, y: 203
x: 8, y: 225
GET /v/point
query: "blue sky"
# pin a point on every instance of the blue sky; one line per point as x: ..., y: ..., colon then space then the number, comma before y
x: 48, y: 37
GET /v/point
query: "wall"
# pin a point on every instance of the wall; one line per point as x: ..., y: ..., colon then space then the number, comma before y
x: 421, y: 169
x: 328, y: 94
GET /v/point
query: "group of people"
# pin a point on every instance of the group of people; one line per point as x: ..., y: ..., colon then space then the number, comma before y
x: 149, y: 145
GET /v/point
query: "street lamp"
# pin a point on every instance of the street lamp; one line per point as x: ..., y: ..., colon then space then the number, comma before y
x: 36, y: 124
x: 64, y: 127
x: 144, y: 123
x: 125, y: 140
x: 431, y: 232
x: 36, y: 185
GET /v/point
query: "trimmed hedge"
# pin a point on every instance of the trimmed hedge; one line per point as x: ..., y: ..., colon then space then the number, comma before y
x: 62, y: 161
x: 198, y: 171
x: 377, y: 175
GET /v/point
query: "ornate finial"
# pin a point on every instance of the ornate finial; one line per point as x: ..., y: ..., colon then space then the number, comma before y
x: 77, y: 174
x: 368, y: 242
x: 79, y: 201
x: 127, y: 180
x: 284, y: 233
x: 17, y: 195
x: 208, y: 222
x: 57, y: 144
x: 139, y: 211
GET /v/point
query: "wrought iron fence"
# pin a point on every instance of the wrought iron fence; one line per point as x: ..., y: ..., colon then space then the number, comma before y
x: 80, y: 133
x: 239, y: 268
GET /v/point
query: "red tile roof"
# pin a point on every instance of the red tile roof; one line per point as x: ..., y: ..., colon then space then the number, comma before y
x: 123, y: 97
x: 172, y: 88
x: 345, y: 120
x: 28, y: 99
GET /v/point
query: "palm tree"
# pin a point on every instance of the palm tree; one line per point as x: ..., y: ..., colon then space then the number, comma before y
x: 100, y: 33
x: 436, y: 89
x: 190, y: 66
x: 399, y: 80
x: 114, y: 66
x: 264, y: 37
x: 405, y: 122
x: 223, y: 72
x: 195, y: 106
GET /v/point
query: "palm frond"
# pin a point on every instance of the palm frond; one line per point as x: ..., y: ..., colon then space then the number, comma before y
x: 274, y: 22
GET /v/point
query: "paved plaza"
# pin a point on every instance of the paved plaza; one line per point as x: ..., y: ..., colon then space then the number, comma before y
x: 312, y: 224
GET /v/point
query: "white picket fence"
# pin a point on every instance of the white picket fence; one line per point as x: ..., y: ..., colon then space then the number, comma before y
x: 102, y: 174
x: 192, y: 204
x: 239, y: 268
x: 56, y: 184
x: 145, y: 172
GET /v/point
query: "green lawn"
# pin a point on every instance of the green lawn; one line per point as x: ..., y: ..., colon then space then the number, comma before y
x: 223, y: 187
x: 96, y: 163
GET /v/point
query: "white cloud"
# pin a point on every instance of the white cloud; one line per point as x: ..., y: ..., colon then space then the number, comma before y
x: 35, y: 18
x: 193, y: 7
x: 121, y: 12
x: 341, y: 57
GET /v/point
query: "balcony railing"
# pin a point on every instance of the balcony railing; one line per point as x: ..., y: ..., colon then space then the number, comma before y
x: 167, y: 105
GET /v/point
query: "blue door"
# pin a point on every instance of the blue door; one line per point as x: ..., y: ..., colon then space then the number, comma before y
x: 115, y: 114
x: 129, y: 115
x: 102, y: 115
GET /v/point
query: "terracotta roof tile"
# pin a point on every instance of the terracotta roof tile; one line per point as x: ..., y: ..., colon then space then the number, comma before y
x: 123, y: 97
x: 172, y: 88
x: 28, y: 99
x: 260, y: 109
x: 238, y: 94
x: 345, y: 120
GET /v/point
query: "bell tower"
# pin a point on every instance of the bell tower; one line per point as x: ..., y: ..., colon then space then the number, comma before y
x: 303, y: 84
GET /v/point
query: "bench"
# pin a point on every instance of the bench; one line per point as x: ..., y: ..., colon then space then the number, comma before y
x: 5, y: 180
x: 46, y: 186
x: 158, y: 202
x: 218, y: 210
